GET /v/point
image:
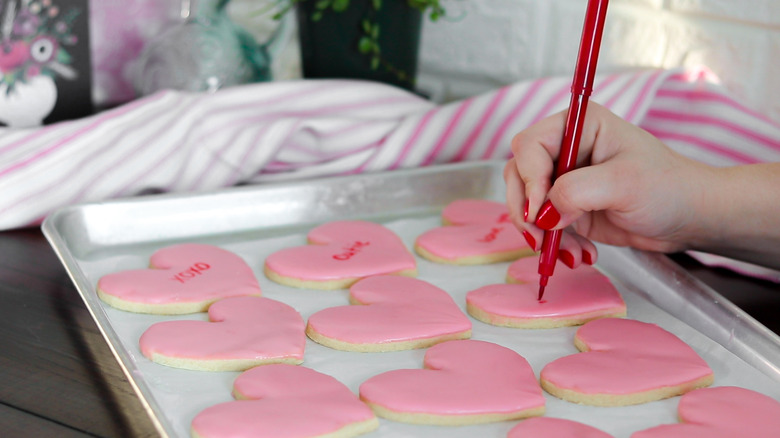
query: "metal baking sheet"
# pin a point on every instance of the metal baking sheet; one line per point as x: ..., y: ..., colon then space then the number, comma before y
x: 92, y: 240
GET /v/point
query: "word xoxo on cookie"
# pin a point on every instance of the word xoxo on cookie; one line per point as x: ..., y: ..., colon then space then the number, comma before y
x: 722, y: 412
x: 286, y: 400
x: 341, y: 253
x: 184, y: 278
x: 242, y: 332
x: 476, y: 231
x: 464, y: 382
x: 394, y: 313
x: 625, y: 362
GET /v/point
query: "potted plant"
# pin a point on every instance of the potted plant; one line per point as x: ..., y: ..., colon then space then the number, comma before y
x: 361, y: 39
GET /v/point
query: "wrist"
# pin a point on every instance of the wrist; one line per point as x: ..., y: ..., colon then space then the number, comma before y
x: 738, y: 212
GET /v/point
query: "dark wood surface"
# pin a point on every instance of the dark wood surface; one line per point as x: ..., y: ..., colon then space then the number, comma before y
x: 58, y: 377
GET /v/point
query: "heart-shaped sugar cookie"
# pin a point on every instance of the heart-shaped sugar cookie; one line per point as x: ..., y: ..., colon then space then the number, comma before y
x: 474, y: 211
x: 464, y: 382
x: 625, y: 362
x: 243, y: 332
x: 394, y: 313
x: 184, y: 278
x: 341, y: 253
x: 721, y: 412
x: 286, y: 401
x: 549, y: 427
x: 573, y: 297
x: 477, y: 232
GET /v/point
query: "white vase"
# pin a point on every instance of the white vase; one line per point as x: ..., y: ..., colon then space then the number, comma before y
x: 28, y: 103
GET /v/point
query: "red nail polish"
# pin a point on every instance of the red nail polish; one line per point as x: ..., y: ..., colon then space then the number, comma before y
x: 548, y: 216
x: 567, y: 258
x: 530, y: 239
x: 587, y: 257
x: 525, y: 210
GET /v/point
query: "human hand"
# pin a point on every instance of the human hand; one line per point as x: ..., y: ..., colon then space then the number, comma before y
x: 629, y: 189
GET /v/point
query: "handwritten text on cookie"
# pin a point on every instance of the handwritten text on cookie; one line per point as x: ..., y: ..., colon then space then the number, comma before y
x: 194, y: 271
x: 491, y: 236
x: 350, y: 251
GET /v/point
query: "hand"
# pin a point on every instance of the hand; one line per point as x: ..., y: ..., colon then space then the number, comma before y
x: 629, y: 189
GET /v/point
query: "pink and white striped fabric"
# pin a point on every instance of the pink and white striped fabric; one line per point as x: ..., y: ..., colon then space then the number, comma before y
x: 180, y: 142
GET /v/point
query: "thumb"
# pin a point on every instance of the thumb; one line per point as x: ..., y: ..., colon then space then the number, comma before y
x: 583, y: 190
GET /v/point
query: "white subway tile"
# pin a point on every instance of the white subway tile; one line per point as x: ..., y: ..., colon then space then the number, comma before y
x: 758, y: 11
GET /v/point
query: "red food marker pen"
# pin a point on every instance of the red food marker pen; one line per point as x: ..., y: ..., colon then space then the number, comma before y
x: 581, y: 87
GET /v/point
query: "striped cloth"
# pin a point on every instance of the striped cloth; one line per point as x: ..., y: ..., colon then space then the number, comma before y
x: 185, y: 142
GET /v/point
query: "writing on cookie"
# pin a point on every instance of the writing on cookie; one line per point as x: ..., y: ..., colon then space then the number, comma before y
x: 339, y: 254
x: 185, y: 278
x: 476, y: 232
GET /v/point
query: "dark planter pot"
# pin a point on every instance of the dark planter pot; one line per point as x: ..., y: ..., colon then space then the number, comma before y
x: 329, y: 47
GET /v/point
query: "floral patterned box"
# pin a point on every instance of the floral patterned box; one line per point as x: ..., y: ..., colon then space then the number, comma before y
x: 45, y: 61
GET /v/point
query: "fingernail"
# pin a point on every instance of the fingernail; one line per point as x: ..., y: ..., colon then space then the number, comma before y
x: 587, y: 257
x: 525, y: 210
x: 567, y: 258
x: 530, y: 239
x: 548, y: 216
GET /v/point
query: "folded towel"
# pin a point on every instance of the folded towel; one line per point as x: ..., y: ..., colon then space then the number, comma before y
x: 185, y: 142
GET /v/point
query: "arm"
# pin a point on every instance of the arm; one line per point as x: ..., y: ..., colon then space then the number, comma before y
x: 632, y: 190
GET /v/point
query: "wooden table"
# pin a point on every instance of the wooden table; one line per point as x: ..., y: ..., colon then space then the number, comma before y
x: 59, y: 378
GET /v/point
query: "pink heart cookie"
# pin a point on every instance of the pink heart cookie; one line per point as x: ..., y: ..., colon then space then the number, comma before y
x: 243, y: 332
x: 286, y: 401
x: 464, y: 382
x: 397, y: 313
x: 722, y: 412
x: 573, y: 297
x: 475, y: 211
x: 184, y: 278
x: 340, y: 254
x: 625, y: 362
x: 480, y: 233
x: 549, y: 427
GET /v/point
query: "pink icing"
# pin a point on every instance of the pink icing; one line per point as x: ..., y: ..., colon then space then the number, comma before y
x: 344, y: 249
x: 476, y: 227
x: 626, y: 356
x: 251, y: 328
x: 284, y: 400
x: 184, y: 273
x: 397, y: 309
x: 549, y: 427
x: 570, y: 293
x: 722, y: 412
x: 526, y: 270
x: 458, y: 241
x: 464, y: 377
x: 475, y: 211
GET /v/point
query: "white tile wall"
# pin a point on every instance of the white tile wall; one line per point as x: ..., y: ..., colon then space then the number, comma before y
x: 484, y: 44
x: 502, y: 41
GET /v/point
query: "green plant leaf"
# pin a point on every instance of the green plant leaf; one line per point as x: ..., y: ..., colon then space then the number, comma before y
x: 316, y: 16
x: 377, y: 4
x: 365, y: 45
x: 340, y: 5
x: 374, y: 63
x: 322, y: 4
x: 366, y: 26
x: 375, y: 31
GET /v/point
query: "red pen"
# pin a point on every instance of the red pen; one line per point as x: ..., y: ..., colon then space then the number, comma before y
x: 581, y: 88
